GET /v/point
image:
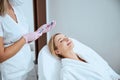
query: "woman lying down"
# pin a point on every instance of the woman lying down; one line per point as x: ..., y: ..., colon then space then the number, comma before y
x: 79, y: 66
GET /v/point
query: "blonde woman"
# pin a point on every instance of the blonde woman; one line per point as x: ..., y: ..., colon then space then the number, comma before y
x: 15, y: 55
x: 79, y: 66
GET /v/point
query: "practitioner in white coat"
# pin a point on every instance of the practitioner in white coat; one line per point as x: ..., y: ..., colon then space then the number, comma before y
x: 15, y: 54
x: 80, y: 65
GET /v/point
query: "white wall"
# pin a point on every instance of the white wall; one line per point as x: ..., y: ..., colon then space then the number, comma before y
x: 28, y: 12
x: 96, y: 23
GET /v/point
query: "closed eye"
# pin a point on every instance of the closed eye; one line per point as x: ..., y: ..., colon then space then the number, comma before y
x: 61, y: 41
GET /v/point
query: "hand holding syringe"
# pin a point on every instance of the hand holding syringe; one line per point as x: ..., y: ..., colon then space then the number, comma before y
x: 43, y: 29
x: 46, y: 27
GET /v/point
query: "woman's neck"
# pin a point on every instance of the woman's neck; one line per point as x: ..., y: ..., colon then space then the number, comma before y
x: 71, y: 55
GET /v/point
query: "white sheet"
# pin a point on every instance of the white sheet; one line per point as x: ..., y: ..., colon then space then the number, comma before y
x: 76, y: 70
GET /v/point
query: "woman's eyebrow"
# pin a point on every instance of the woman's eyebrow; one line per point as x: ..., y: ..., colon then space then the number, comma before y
x: 59, y: 39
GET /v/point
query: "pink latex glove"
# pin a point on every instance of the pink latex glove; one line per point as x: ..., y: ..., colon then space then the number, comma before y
x: 32, y: 36
x: 35, y: 35
x: 47, y: 27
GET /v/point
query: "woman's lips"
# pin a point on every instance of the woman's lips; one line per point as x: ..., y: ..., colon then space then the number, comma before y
x: 68, y: 43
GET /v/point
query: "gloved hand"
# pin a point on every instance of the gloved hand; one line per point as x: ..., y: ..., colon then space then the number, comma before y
x: 35, y: 35
x: 47, y: 27
x: 32, y: 36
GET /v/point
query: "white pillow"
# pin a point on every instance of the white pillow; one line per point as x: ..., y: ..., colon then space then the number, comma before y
x: 49, y: 66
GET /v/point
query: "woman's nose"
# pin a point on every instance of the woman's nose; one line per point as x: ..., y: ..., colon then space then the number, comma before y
x: 66, y: 39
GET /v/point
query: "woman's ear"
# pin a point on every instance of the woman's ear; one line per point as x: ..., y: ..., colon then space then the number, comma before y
x: 57, y: 52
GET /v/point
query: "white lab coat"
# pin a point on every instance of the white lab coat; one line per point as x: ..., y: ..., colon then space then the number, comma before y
x: 16, y: 67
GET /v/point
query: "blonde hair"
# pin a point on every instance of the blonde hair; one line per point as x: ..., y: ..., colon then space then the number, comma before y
x: 53, y: 47
x: 3, y: 7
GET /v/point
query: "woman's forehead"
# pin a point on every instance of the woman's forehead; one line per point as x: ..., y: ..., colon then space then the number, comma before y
x: 58, y: 37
